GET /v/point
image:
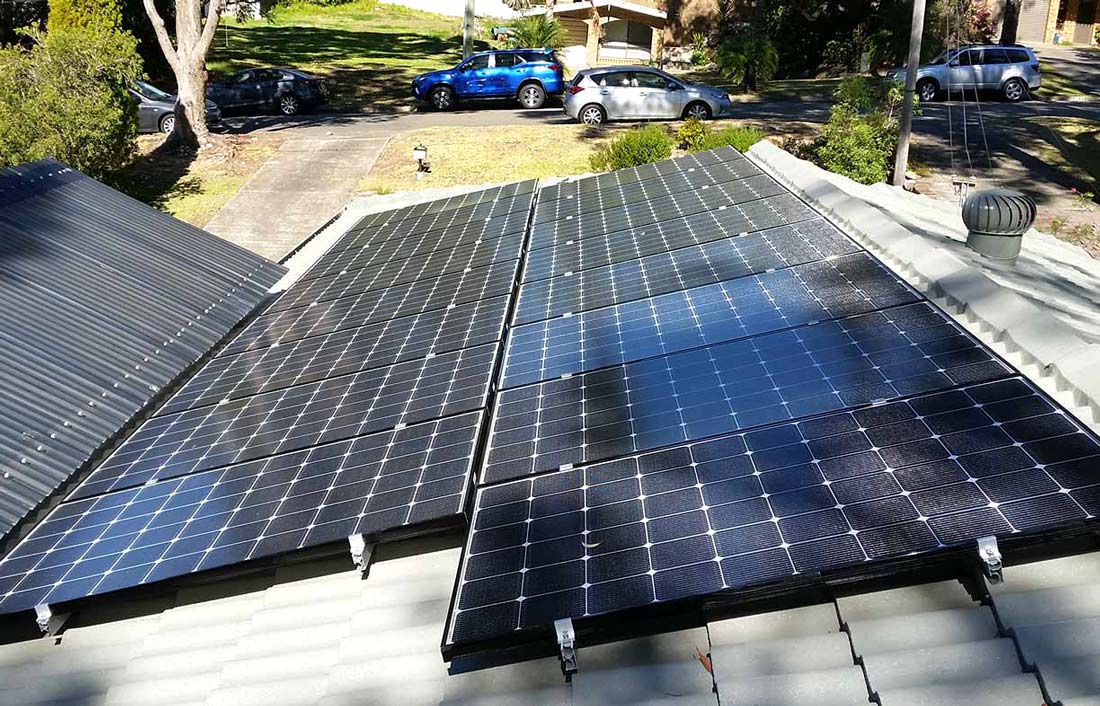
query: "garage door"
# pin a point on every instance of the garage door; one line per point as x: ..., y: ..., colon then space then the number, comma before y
x: 1033, y: 21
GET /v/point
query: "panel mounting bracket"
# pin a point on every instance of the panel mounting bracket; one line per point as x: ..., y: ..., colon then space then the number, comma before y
x: 48, y: 622
x: 361, y: 553
x: 990, y: 556
x: 567, y: 650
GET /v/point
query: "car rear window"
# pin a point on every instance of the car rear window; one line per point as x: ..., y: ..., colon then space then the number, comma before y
x: 994, y: 56
x: 613, y: 78
x: 538, y: 56
x: 1017, y: 56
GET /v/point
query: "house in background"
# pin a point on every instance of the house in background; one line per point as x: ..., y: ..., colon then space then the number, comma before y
x: 608, y: 32
x: 1045, y: 21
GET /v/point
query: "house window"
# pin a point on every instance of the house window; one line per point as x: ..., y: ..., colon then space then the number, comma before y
x: 1062, y: 7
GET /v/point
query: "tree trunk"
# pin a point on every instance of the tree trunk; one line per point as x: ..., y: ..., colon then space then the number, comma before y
x: 188, y: 61
x: 1010, y: 21
x: 550, y: 9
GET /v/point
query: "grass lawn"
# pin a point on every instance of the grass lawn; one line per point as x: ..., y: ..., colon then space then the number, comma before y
x: 370, y: 50
x: 1072, y: 144
x: 192, y: 188
x: 1055, y: 85
x: 476, y: 155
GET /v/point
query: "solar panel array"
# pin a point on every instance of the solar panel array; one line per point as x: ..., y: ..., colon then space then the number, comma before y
x: 353, y: 405
x: 708, y: 387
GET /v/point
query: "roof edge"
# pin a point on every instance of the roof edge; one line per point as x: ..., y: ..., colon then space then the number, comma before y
x: 1043, y: 348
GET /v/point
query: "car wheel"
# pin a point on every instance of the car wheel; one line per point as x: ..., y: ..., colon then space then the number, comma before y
x: 592, y: 114
x: 442, y: 98
x: 927, y: 90
x: 1014, y: 90
x: 288, y: 104
x: 532, y: 96
x: 699, y: 111
x: 168, y: 124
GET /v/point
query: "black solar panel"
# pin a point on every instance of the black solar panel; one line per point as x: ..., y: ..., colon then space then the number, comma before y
x: 367, y: 485
x: 735, y: 511
x: 709, y: 387
x: 353, y: 405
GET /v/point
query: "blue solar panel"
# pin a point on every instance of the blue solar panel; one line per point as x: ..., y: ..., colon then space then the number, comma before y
x: 702, y: 316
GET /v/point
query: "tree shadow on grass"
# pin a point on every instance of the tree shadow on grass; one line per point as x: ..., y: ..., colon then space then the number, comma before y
x: 159, y: 176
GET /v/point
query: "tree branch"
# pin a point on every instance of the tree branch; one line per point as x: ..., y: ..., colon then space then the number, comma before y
x: 162, y: 34
x: 217, y: 7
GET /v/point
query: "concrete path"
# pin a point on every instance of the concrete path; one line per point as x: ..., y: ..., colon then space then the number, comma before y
x: 298, y: 190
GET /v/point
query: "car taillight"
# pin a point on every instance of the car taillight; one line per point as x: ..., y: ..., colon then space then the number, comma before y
x: 1035, y: 66
x: 574, y: 90
x: 555, y: 67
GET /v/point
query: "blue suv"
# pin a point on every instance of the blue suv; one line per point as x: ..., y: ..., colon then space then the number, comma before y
x: 527, y: 75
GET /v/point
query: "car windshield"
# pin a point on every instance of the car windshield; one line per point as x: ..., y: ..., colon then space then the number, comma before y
x: 151, y: 93
x: 941, y: 59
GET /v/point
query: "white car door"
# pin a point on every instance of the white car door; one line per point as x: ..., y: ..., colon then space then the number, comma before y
x: 619, y: 95
x: 965, y: 69
x: 658, y: 99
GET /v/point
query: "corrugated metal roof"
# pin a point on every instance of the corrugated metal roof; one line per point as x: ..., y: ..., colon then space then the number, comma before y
x: 103, y: 302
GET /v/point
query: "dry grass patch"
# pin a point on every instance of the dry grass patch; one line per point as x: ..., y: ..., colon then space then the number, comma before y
x: 485, y: 155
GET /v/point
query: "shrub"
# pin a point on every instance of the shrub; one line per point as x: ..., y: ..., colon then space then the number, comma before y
x: 537, y: 32
x: 105, y: 15
x: 67, y: 97
x: 700, y: 50
x: 862, y: 132
x: 640, y: 145
x: 747, y: 60
x: 739, y: 138
x: 692, y: 133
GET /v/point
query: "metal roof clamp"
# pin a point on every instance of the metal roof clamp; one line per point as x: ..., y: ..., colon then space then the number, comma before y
x: 990, y: 556
x: 566, y: 648
x: 49, y: 623
x: 361, y: 553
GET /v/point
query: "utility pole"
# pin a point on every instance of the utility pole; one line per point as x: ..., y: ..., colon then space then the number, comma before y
x: 906, y: 127
x: 468, y: 30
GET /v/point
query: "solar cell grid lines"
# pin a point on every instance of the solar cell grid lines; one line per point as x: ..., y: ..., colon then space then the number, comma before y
x: 680, y: 269
x: 483, y: 228
x: 470, y: 198
x: 669, y: 234
x: 706, y: 198
x: 400, y: 268
x: 616, y: 195
x: 370, y: 485
x: 620, y: 177
x: 345, y: 351
x: 356, y: 310
x: 297, y: 417
x: 728, y: 387
x: 676, y: 321
x: 485, y: 211
x: 838, y: 490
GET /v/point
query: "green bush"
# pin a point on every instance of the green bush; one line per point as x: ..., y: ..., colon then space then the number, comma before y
x: 537, y: 32
x: 67, y: 97
x: 104, y: 15
x: 695, y: 136
x: 700, y: 50
x: 640, y: 145
x: 739, y: 138
x: 692, y: 133
x: 862, y: 132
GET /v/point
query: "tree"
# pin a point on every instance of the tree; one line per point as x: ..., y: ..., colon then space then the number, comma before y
x: 188, y: 61
x: 73, y: 14
x: 537, y: 31
x: 67, y: 97
x: 550, y: 9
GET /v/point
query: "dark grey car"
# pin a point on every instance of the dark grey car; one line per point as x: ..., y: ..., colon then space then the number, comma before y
x: 157, y: 109
x: 284, y: 90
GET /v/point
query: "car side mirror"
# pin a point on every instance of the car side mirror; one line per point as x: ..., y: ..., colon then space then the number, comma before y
x: 675, y: 87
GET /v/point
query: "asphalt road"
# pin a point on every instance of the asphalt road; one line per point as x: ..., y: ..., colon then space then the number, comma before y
x: 931, y: 121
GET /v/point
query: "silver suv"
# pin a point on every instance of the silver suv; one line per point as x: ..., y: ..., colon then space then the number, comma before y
x: 640, y: 93
x: 1012, y: 70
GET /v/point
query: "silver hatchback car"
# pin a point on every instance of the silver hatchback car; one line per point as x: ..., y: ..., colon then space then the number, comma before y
x: 640, y: 93
x: 1012, y: 70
